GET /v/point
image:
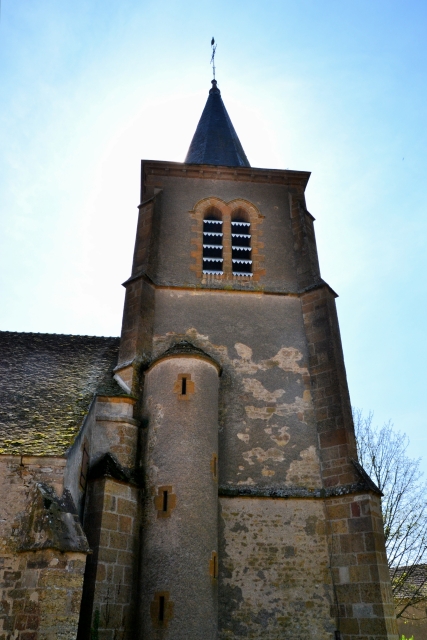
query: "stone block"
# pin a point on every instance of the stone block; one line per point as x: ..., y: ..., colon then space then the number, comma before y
x: 349, y: 626
x: 108, y: 555
x: 352, y: 543
x: 373, y: 626
x: 359, y: 525
x: 111, y: 616
x: 117, y: 489
x: 348, y: 594
x: 101, y: 572
x: 339, y: 526
x: 344, y: 560
x: 128, y: 575
x: 126, y: 507
x: 125, y: 558
x: 104, y: 538
x: 110, y: 502
x: 118, y: 574
x: 367, y: 559
x: 110, y: 521
x: 118, y: 541
x: 360, y: 573
x: 338, y: 512
x: 125, y: 524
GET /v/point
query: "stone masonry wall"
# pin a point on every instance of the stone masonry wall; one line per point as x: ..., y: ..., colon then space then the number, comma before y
x: 41, y: 594
x: 329, y: 387
x: 138, y: 316
x: 361, y: 577
x: 307, y: 263
x: 143, y: 237
x: 112, y: 529
x: 275, y: 580
x: 116, y: 430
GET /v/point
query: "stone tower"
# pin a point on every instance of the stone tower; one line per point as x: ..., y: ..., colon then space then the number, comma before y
x: 256, y: 520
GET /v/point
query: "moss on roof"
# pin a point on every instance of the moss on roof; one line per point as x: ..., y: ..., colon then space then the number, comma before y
x: 47, y: 382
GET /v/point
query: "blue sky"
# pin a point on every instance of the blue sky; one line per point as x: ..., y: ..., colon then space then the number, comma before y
x: 336, y: 88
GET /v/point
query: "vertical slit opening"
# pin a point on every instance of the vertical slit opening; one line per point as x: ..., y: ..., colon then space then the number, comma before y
x: 162, y: 605
x: 215, y: 566
x: 212, y: 243
x: 241, y: 250
x: 184, y: 386
x: 165, y: 500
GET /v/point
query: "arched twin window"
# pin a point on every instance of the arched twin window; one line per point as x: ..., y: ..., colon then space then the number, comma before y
x: 239, y: 240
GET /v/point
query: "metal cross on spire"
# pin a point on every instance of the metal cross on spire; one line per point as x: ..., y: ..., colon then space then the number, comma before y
x: 213, y: 45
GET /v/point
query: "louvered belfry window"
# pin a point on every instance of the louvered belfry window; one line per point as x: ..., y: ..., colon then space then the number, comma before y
x: 212, y: 245
x: 241, y: 252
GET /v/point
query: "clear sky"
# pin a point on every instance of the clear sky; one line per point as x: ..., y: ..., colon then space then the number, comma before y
x: 333, y: 87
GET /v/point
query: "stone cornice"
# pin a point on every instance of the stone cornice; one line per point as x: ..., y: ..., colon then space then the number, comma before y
x: 250, y: 491
x: 294, y: 179
x: 261, y: 290
x: 184, y: 349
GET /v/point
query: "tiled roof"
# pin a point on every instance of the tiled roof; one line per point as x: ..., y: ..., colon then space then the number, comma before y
x: 47, y: 382
x: 410, y: 580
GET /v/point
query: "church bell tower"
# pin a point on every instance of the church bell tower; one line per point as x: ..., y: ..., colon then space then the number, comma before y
x: 256, y: 519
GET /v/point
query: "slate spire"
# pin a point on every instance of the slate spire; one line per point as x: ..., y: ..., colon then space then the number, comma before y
x: 215, y: 140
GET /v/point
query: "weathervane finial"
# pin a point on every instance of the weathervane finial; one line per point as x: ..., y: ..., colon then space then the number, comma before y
x: 213, y: 45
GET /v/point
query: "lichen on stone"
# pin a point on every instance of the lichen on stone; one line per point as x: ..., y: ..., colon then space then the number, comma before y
x: 47, y: 385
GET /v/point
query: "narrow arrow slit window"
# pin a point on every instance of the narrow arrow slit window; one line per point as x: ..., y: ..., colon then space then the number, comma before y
x: 241, y: 250
x: 212, y: 245
x: 161, y: 608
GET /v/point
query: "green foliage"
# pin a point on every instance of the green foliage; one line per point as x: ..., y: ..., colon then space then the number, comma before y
x: 94, y: 632
x: 405, y: 638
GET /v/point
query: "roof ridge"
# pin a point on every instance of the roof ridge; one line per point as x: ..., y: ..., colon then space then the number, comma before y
x: 64, y: 335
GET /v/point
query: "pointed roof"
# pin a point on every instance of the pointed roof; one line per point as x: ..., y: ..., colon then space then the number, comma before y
x: 215, y: 140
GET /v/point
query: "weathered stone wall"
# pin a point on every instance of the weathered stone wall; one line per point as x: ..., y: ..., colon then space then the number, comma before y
x: 18, y: 475
x: 137, y: 328
x: 143, y: 240
x: 116, y: 430
x: 73, y: 467
x: 275, y: 580
x: 109, y: 427
x: 111, y: 523
x: 267, y: 429
x: 180, y: 525
x: 306, y: 260
x: 41, y: 594
x: 40, y: 590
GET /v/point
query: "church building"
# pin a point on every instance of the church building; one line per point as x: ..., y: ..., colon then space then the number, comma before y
x: 196, y: 478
